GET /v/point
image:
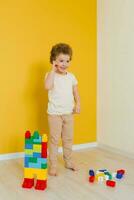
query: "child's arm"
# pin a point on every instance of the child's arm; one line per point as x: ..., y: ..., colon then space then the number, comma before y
x: 77, y: 99
x: 49, y: 82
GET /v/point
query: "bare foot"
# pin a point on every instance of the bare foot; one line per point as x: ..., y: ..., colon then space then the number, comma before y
x: 53, y: 172
x: 72, y: 166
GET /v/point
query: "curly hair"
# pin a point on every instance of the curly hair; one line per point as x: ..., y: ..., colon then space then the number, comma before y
x: 58, y: 49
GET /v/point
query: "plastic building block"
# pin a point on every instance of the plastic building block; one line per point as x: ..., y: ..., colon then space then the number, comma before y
x: 28, y: 141
x: 37, y: 148
x: 44, y: 166
x: 28, y: 183
x: 33, y: 160
x: 44, y: 138
x: 44, y: 152
x: 36, y: 155
x: 27, y: 134
x: 97, y: 177
x: 41, y: 185
x: 37, y: 141
x: 121, y: 171
x: 102, y: 170
x: 109, y: 175
x: 36, y: 135
x: 119, y: 176
x: 29, y: 151
x: 91, y: 179
x: 28, y: 146
x: 110, y: 183
x: 91, y: 172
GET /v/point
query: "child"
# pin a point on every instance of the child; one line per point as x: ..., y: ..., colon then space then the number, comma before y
x: 64, y: 100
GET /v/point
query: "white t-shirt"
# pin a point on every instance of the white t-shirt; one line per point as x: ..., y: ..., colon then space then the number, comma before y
x: 61, y: 99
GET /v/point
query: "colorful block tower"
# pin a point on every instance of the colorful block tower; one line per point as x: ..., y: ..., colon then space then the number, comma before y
x: 35, y: 161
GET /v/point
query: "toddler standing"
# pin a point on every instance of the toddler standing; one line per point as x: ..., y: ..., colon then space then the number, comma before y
x: 64, y: 101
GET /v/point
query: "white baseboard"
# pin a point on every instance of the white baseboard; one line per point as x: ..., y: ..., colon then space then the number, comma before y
x: 115, y: 150
x: 11, y: 156
x: 76, y: 147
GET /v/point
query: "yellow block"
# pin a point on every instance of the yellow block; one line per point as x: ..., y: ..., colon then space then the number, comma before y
x: 37, y: 148
x: 41, y: 174
x: 44, y: 138
x: 29, y: 151
x: 99, y: 175
x: 28, y: 173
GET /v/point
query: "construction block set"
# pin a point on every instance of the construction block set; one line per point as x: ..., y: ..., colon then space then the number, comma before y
x: 104, y: 175
x: 35, y: 161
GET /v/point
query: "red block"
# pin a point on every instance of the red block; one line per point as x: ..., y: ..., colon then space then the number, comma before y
x: 44, y: 150
x: 27, y: 134
x: 41, y: 185
x: 121, y: 171
x: 91, y: 179
x: 110, y: 183
x: 28, y: 183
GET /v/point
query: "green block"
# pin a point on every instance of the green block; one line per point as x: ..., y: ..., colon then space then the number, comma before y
x: 33, y: 160
x: 36, y: 135
x: 44, y: 166
x: 29, y: 141
x: 110, y: 176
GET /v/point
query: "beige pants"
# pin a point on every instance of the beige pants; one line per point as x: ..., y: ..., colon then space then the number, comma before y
x: 60, y: 126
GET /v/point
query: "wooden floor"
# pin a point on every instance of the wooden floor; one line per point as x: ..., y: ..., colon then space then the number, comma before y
x: 71, y: 185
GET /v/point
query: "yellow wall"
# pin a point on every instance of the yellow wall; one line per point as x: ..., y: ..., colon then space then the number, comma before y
x: 28, y: 30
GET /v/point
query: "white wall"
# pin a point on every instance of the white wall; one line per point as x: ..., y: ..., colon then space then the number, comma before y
x: 115, y: 124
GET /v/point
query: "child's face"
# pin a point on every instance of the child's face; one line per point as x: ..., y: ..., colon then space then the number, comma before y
x: 62, y: 63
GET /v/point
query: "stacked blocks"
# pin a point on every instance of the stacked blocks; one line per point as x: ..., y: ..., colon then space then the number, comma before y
x: 35, y: 161
x: 91, y: 176
x: 120, y: 173
x: 103, y: 174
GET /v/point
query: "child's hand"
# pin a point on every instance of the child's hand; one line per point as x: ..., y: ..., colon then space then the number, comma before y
x: 76, y: 109
x: 54, y: 68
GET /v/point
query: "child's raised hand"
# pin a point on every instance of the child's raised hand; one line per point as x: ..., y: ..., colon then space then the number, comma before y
x: 54, y: 68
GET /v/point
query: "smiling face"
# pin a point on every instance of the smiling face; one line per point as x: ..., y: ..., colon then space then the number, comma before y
x: 62, y: 63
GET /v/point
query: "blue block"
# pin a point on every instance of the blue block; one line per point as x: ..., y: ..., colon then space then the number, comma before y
x: 103, y: 170
x: 26, y: 162
x: 35, y: 165
x: 37, y: 140
x: 36, y: 155
x: 42, y: 160
x: 28, y: 146
x: 119, y: 176
x: 91, y: 172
